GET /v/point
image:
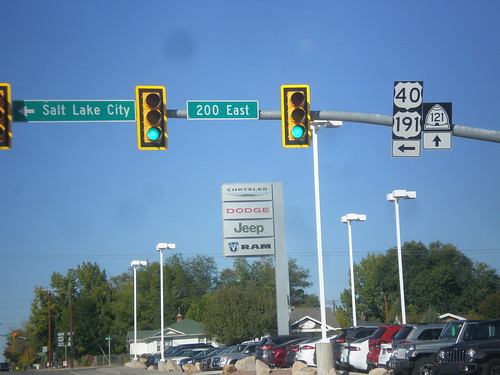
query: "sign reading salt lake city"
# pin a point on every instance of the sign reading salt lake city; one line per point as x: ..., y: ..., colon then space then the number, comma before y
x: 73, y: 110
x: 252, y: 219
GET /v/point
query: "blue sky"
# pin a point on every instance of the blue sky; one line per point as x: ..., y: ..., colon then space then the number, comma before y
x: 78, y: 192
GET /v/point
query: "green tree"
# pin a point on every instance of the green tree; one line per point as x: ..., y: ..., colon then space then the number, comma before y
x: 490, y: 307
x: 262, y: 272
x: 238, y: 313
x: 431, y: 281
x: 248, y: 291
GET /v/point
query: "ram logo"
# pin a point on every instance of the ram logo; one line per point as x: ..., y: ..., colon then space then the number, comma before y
x: 233, y: 246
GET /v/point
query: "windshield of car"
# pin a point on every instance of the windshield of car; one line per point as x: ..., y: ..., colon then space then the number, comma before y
x: 452, y: 329
x: 402, y: 333
x: 203, y: 353
x: 378, y: 333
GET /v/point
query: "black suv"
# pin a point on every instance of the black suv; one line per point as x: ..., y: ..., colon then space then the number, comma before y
x: 478, y: 353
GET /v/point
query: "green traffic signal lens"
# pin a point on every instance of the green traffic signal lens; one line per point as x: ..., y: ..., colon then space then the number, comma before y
x: 153, y: 134
x: 298, y: 131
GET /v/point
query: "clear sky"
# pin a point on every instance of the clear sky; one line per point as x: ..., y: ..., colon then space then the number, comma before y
x: 78, y: 192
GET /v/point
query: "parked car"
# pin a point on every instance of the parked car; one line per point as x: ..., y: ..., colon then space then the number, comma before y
x: 230, y: 357
x: 206, y: 363
x: 153, y: 359
x: 410, y: 333
x: 353, y: 356
x: 301, y: 352
x: 348, y: 335
x: 4, y: 366
x: 200, y: 356
x: 479, y: 353
x: 383, y: 334
x: 277, y: 353
x: 184, y: 354
x: 264, y: 347
x: 420, y: 357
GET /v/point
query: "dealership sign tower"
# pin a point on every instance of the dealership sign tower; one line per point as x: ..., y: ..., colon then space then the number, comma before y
x: 252, y: 215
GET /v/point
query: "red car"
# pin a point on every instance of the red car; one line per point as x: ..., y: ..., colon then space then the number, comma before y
x: 278, y: 353
x: 382, y: 335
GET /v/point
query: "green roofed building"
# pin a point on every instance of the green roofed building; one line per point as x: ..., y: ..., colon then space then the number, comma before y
x: 185, y: 331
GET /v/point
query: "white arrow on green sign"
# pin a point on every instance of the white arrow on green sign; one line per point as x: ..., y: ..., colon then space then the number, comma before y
x: 222, y: 109
x: 73, y: 110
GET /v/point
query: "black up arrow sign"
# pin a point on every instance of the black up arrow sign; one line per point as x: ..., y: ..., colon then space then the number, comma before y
x: 436, y: 140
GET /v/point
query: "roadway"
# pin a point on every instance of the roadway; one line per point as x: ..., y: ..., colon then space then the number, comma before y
x: 120, y: 370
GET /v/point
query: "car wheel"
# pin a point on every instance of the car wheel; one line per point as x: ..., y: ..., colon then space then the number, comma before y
x: 423, y: 366
x: 491, y: 367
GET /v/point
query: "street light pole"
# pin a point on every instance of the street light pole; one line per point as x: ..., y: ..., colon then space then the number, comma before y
x: 315, y: 126
x: 348, y: 219
x: 135, y: 264
x: 319, y: 243
x: 160, y: 247
x: 395, y: 196
x: 324, y: 352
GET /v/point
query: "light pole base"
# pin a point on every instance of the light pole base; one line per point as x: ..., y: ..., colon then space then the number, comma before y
x: 324, y: 357
x: 162, y: 364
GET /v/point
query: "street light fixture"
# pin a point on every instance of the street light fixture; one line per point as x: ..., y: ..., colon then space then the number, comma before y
x: 347, y: 219
x: 160, y: 247
x: 135, y: 264
x: 395, y: 196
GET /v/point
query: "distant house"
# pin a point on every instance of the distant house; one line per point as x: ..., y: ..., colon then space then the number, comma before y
x: 450, y: 317
x: 184, y: 331
x: 307, y: 321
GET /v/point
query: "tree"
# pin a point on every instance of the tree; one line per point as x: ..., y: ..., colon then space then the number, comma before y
x: 262, y: 272
x: 431, y: 282
x: 248, y: 291
x: 490, y: 307
x: 238, y: 313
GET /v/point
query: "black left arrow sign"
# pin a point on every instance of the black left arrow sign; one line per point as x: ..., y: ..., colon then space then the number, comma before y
x: 404, y: 148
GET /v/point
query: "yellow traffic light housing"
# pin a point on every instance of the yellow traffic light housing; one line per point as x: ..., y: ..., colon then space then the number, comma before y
x: 295, y: 116
x: 151, y: 117
x: 5, y: 117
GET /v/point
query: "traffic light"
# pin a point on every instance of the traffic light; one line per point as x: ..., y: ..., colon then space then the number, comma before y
x: 5, y: 117
x: 295, y: 116
x: 14, y: 336
x: 151, y: 104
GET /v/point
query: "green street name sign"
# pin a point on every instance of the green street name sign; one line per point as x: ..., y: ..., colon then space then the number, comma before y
x: 222, y: 109
x: 73, y: 110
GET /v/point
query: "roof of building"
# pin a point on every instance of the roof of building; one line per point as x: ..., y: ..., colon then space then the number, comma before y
x: 185, y: 326
x: 299, y: 314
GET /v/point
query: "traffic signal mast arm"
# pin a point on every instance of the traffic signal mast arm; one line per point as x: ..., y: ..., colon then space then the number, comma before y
x: 367, y: 118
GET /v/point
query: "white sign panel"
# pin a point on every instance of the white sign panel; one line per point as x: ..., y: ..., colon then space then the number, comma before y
x: 248, y: 228
x: 252, y: 224
x: 437, y: 141
x: 248, y: 247
x: 407, y: 118
x: 437, y: 126
x: 247, y: 210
